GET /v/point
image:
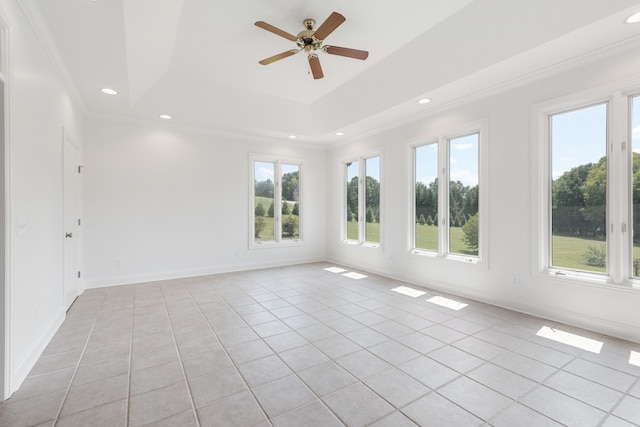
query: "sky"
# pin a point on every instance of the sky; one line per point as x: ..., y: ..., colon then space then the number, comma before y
x: 580, y: 136
x: 463, y: 161
x: 265, y: 170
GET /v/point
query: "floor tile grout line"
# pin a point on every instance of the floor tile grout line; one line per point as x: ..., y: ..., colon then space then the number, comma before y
x: 261, y: 338
x: 358, y: 380
x: 225, y: 351
x: 175, y: 343
x: 75, y: 371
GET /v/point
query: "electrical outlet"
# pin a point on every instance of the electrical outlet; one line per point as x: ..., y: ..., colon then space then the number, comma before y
x: 237, y: 252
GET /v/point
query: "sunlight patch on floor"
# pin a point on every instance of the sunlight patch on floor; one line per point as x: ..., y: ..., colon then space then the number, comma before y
x: 568, y: 338
x: 634, y: 358
x: 335, y: 270
x: 448, y: 303
x: 405, y: 290
x: 355, y: 276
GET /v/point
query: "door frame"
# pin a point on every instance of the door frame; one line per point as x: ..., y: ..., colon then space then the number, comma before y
x: 5, y: 214
x: 68, y: 140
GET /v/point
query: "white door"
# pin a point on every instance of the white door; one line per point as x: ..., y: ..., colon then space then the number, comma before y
x: 72, y: 169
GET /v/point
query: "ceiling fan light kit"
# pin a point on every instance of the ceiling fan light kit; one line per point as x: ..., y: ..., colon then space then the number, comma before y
x: 310, y: 41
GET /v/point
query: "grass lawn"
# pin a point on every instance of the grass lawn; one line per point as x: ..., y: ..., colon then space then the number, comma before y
x: 427, y: 238
x: 569, y: 252
x: 267, y: 234
x: 372, y: 229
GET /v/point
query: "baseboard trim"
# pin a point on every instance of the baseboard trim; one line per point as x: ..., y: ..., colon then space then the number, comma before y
x: 182, y: 274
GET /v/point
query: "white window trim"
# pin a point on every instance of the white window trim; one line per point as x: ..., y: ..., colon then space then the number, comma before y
x: 361, y: 159
x: 441, y: 137
x: 277, y: 209
x: 619, y: 218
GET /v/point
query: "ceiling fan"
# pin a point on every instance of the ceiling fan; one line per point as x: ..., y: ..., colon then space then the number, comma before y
x: 310, y: 41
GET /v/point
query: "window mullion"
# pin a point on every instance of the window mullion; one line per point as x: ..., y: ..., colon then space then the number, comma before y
x: 277, y: 202
x: 362, y: 208
x: 443, y: 202
x: 619, y: 189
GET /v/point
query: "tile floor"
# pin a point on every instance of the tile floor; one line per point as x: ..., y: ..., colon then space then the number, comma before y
x: 303, y: 346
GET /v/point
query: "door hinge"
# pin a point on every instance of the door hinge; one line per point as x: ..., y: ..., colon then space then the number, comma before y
x: 80, y: 168
x: 79, y: 221
x: 624, y: 145
x: 78, y: 274
x: 624, y: 227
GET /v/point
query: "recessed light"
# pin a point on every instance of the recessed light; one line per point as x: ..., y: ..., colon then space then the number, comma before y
x: 339, y: 133
x: 634, y: 19
x: 109, y: 91
x: 424, y: 101
x: 292, y: 137
x: 165, y: 116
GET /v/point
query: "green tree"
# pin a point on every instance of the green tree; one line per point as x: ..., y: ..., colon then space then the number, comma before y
x: 430, y: 220
x: 373, y: 195
x: 259, y: 224
x: 595, y: 199
x: 286, y: 210
x: 421, y: 220
x: 296, y: 209
x: 370, y: 217
x: 352, y: 195
x: 470, y: 231
x: 270, y: 211
x: 290, y: 226
x: 568, y: 200
x: 636, y: 198
x: 260, y: 211
x: 264, y: 188
x: 290, y: 186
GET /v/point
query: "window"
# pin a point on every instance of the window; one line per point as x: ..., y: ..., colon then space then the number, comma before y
x: 447, y: 217
x: 372, y: 200
x: 275, y: 202
x: 635, y: 184
x: 463, y: 195
x: 353, y: 204
x: 363, y: 213
x: 588, y: 188
x: 578, y: 140
x: 426, y: 197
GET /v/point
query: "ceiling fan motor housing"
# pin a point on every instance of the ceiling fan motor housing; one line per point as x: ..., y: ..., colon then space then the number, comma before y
x: 306, y: 40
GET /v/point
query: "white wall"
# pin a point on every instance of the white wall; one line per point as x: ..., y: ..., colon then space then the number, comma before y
x: 174, y: 203
x: 39, y: 109
x: 609, y: 309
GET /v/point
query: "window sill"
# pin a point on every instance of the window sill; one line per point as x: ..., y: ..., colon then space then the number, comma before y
x: 274, y: 244
x: 448, y: 257
x: 589, y: 279
x: 363, y: 244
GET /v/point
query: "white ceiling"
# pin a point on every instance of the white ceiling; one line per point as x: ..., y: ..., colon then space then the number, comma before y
x: 197, y: 60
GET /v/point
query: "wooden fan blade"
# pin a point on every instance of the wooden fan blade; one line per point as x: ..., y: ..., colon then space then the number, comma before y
x: 316, y: 68
x: 276, y: 30
x: 345, y: 51
x: 278, y: 57
x: 329, y: 25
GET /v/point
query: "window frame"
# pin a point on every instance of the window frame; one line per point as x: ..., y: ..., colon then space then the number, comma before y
x: 362, y: 202
x: 442, y: 139
x: 619, y: 188
x: 278, y: 161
